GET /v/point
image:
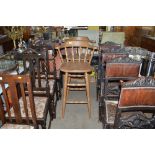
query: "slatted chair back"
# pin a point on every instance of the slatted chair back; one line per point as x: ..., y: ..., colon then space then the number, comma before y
x: 49, y: 56
x: 37, y: 67
x: 17, y: 85
x: 75, y: 51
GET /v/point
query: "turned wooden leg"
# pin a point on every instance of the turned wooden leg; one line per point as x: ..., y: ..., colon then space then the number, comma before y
x: 68, y: 81
x: 65, y: 94
x: 88, y: 93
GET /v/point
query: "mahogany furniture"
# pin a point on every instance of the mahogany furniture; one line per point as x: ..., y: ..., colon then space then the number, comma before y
x: 108, y: 51
x: 117, y: 70
x: 148, y: 43
x: 76, y: 65
x: 137, y: 95
x: 135, y: 107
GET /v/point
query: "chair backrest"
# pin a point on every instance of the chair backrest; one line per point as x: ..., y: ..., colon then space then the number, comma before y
x: 138, y: 94
x: 110, y: 50
x: 79, y: 38
x: 122, y: 67
x: 105, y: 57
x: 17, y: 84
x: 38, y: 68
x: 109, y: 46
x: 77, y: 51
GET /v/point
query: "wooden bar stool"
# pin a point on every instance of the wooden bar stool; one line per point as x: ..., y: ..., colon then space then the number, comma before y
x: 76, y: 66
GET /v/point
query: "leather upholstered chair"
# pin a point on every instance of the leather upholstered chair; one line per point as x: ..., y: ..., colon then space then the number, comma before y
x: 117, y: 70
x: 135, y: 107
x: 108, y: 51
x: 137, y: 95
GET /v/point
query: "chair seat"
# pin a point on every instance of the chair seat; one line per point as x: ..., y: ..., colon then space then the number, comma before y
x: 16, y: 126
x: 52, y: 76
x: 43, y: 85
x: 76, y: 67
x: 40, y: 105
x: 111, y: 106
x: 112, y: 89
x: 110, y: 111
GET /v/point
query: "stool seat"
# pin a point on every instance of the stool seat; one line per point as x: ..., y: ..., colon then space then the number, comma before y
x: 76, y: 67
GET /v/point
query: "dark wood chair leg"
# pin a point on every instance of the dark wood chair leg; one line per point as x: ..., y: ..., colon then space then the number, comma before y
x: 103, y: 116
x: 51, y: 108
x: 117, y: 118
x: 60, y: 88
x: 57, y: 89
x: 50, y: 123
x: 105, y: 88
x: 100, y: 109
x: 43, y: 126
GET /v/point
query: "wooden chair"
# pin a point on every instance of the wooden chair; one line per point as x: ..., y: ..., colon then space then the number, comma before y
x: 137, y: 96
x: 112, y: 51
x: 52, y: 75
x: 20, y: 111
x: 117, y: 70
x: 108, y: 51
x: 58, y: 60
x: 53, y: 71
x: 43, y: 84
x: 76, y: 65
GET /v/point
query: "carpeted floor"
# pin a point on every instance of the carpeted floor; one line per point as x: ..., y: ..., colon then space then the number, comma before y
x: 76, y: 115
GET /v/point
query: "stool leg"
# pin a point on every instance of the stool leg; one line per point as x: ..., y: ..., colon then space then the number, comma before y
x: 65, y: 94
x: 88, y: 93
x: 68, y: 81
